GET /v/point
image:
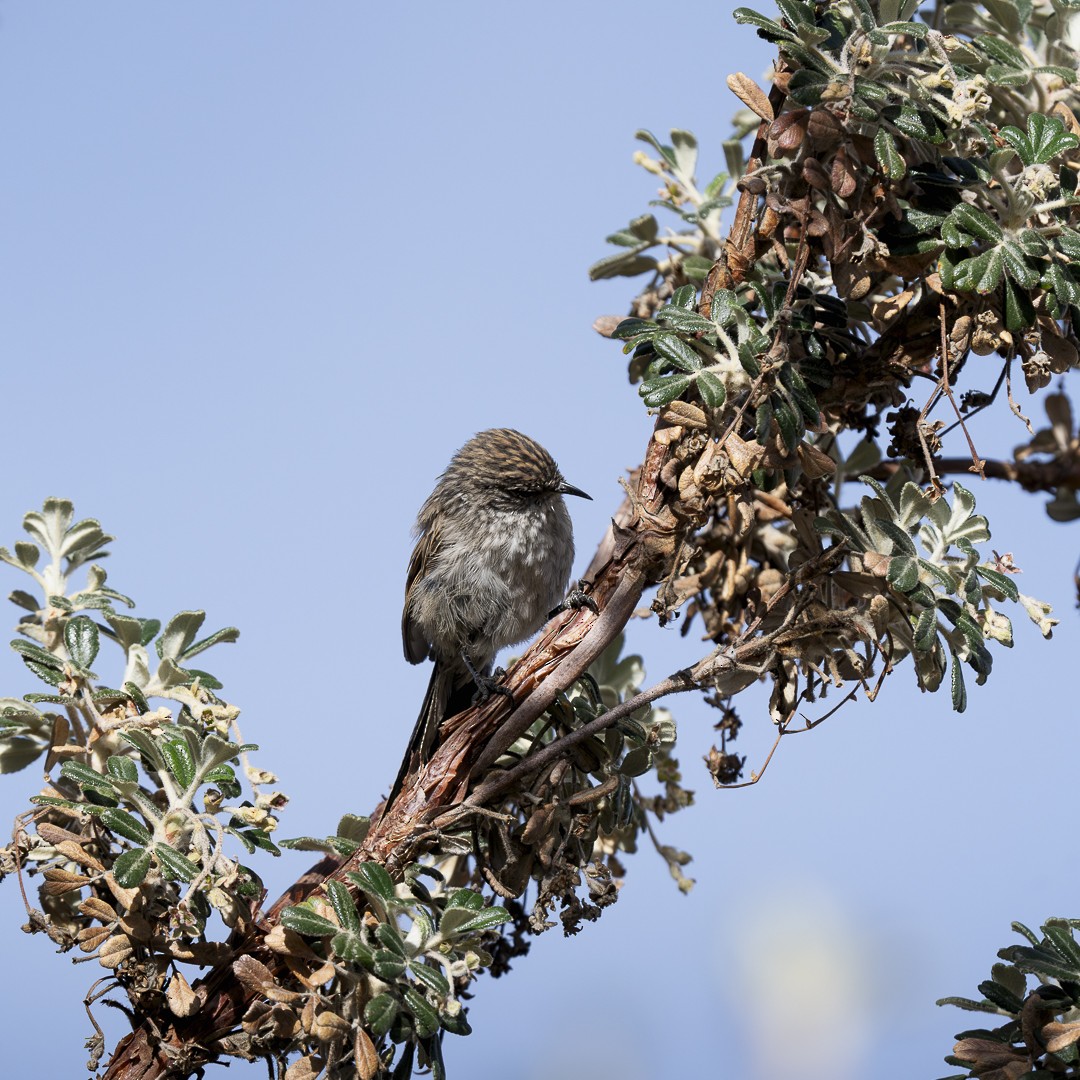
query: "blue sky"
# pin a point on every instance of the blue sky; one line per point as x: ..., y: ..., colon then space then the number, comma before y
x: 264, y: 268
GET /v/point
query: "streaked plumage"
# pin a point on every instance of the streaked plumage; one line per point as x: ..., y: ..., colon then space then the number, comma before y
x: 493, y: 556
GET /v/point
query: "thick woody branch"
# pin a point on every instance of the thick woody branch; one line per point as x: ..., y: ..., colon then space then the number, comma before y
x: 470, y: 742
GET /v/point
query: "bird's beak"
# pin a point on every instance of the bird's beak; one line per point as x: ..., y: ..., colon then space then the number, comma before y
x: 569, y: 489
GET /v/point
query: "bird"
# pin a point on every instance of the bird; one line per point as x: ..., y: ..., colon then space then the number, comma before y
x: 494, y: 550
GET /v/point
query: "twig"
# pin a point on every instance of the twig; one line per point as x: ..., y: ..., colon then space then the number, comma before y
x: 678, y: 683
x: 978, y: 464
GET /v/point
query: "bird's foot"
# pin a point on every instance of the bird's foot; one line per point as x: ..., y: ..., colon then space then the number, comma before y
x: 576, y: 599
x: 486, y: 685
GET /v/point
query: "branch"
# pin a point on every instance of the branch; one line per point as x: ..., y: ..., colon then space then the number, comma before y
x: 642, y: 533
x: 1046, y: 476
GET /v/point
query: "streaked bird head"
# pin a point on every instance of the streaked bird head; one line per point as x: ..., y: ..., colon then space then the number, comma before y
x: 506, y: 462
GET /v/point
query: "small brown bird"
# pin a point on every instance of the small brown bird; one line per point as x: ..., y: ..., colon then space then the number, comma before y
x: 493, y: 557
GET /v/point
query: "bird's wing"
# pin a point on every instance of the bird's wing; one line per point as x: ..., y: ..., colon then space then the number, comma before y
x: 417, y: 647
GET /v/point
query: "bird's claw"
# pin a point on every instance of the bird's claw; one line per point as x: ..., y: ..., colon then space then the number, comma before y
x: 575, y: 600
x: 486, y: 685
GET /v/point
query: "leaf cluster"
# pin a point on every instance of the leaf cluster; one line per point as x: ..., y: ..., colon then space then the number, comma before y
x: 140, y: 803
x: 401, y: 954
x: 1042, y: 1027
x: 940, y: 597
x: 689, y: 252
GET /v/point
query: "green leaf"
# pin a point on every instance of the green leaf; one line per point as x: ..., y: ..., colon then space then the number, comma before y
x: 943, y: 577
x: 665, y: 152
x: 131, y: 868
x: 683, y: 298
x: 912, y: 29
x: 968, y: 1006
x: 388, y: 936
x: 304, y: 921
x: 677, y: 352
x: 1039, y: 960
x: 959, y: 691
x: 918, y: 124
x: 227, y: 635
x: 1019, y: 310
x: 483, y: 920
x: 697, y: 267
x: 456, y: 1023
x: 27, y: 554
x: 725, y: 308
x: 903, y: 573
x: 432, y: 978
x: 24, y: 600
x: 86, y: 777
x: 685, y: 148
x: 1066, y: 74
x: 354, y: 827
x: 387, y: 965
x: 344, y: 906
x: 889, y: 158
x: 305, y: 843
x: 662, y: 391
x: 427, y: 1018
x: 980, y: 225
x: 971, y: 631
x: 256, y: 838
x: 763, y: 419
x: 1017, y: 265
x: 179, y: 634
x: 76, y: 809
x: 1062, y: 939
x: 1024, y: 931
x: 112, y: 594
x: 1004, y: 52
x: 689, y: 322
x: 81, y: 638
x: 1000, y: 996
x: 711, y: 388
x: 773, y: 30
x: 1001, y: 582
x: 1031, y: 243
x: 789, y: 421
x: 127, y: 826
x: 175, y: 866
x: 379, y: 1013
x: 468, y: 899
x: 902, y: 543
x: 350, y: 946
x: 636, y: 762
x: 795, y: 12
x: 375, y: 882
x: 45, y: 673
x: 206, y: 680
x: 622, y: 264
x: 981, y: 274
x: 1045, y: 138
x: 641, y: 231
x: 914, y: 503
x: 1062, y: 281
x: 795, y: 385
x: 29, y: 651
x: 926, y: 630
x: 18, y: 751
x: 178, y: 760
x: 136, y: 695
x: 629, y: 329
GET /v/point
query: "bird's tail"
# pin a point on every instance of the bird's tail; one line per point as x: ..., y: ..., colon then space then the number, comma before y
x: 446, y: 694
